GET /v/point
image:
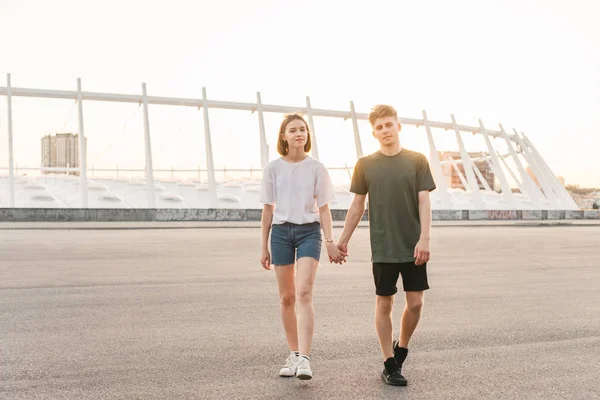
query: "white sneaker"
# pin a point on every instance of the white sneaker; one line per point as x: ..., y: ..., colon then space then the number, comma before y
x: 290, y: 366
x: 303, y: 369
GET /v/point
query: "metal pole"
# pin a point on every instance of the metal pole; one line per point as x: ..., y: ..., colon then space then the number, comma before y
x: 149, y: 169
x: 514, y: 176
x: 82, y: 149
x: 264, y: 147
x: 497, y: 168
x: 532, y: 191
x: 311, y: 126
x: 434, y: 159
x: 457, y: 170
x: 538, y: 172
x: 357, y: 143
x: 559, y: 188
x: 495, y: 171
x: 468, y: 167
x: 479, y: 175
x: 210, y: 166
x: 11, y: 172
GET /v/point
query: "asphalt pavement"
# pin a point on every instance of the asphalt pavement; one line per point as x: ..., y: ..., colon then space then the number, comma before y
x: 513, y: 313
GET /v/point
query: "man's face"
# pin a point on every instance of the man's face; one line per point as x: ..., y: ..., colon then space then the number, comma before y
x: 386, y: 130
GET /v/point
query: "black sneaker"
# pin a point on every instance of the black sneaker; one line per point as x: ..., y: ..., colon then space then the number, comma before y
x: 400, y: 354
x: 394, y: 379
x: 391, y: 373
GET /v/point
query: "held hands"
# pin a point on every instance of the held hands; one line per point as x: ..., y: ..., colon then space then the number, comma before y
x: 336, y: 255
x: 343, y: 247
x: 265, y: 259
x: 422, y: 253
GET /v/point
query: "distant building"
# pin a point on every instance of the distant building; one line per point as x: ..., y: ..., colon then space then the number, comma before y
x: 586, y: 201
x: 452, y: 178
x: 60, y: 151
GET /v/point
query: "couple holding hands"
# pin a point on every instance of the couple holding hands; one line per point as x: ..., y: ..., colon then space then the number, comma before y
x: 296, y: 192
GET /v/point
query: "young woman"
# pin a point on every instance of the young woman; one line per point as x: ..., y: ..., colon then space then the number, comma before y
x: 296, y: 191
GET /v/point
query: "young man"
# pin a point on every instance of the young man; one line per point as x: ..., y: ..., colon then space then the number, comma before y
x: 398, y: 182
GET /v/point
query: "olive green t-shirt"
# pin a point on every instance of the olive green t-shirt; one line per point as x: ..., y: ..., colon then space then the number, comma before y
x: 393, y: 184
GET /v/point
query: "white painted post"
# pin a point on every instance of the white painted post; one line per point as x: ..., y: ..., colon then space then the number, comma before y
x: 11, y: 171
x: 520, y: 184
x: 149, y: 169
x: 532, y: 191
x: 538, y: 172
x: 494, y: 169
x: 210, y: 165
x: 82, y: 149
x: 457, y: 170
x: 311, y: 126
x: 468, y: 167
x: 497, y: 168
x: 264, y: 147
x: 481, y: 178
x: 438, y: 173
x: 567, y: 200
x: 357, y: 143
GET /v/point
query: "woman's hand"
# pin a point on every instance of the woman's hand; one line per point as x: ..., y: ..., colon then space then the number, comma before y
x: 265, y: 259
x: 335, y: 255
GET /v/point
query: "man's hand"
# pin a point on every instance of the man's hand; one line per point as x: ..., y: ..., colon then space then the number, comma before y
x: 343, y: 246
x: 335, y: 254
x: 422, y: 253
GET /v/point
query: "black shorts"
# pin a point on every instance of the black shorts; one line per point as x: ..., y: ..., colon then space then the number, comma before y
x: 414, y: 277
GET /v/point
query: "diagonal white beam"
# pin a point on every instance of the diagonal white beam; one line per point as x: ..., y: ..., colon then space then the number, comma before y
x: 497, y: 168
x: 481, y: 178
x: 538, y: 172
x: 468, y: 167
x: 530, y: 188
x: 438, y: 172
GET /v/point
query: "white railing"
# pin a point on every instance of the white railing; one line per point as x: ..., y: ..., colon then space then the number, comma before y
x: 551, y: 190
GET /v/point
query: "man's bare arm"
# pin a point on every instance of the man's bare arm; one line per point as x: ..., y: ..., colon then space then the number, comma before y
x: 355, y: 214
x: 422, y: 252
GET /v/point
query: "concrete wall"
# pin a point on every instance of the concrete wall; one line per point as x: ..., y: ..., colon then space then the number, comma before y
x: 101, y: 215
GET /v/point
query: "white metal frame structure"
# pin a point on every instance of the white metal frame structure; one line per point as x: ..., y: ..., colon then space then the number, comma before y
x: 549, y: 195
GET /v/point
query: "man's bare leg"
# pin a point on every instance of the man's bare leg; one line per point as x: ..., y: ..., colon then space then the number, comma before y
x: 383, y: 324
x: 410, y: 317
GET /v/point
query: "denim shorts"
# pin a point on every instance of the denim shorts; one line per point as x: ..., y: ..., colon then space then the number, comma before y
x: 289, y: 240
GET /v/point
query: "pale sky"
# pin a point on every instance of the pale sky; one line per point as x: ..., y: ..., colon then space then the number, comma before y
x: 533, y: 65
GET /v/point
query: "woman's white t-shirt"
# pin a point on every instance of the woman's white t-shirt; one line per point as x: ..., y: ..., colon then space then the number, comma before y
x: 296, y: 189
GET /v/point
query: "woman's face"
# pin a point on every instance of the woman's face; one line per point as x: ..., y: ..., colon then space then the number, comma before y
x: 296, y: 134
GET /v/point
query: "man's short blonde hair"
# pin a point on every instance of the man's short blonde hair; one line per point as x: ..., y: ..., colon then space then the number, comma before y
x: 382, y: 111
